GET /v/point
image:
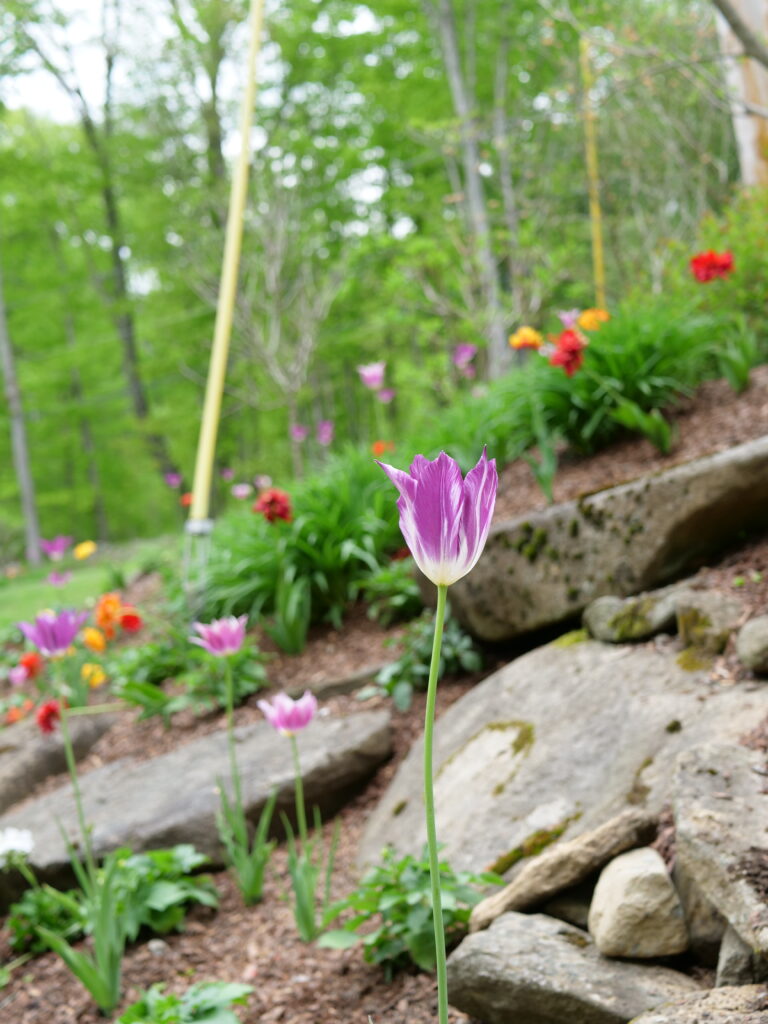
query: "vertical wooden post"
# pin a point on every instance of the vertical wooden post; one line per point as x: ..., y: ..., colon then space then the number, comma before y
x: 201, y: 489
x: 593, y: 175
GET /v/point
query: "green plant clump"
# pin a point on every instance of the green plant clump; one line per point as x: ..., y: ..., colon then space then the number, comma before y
x: 398, y: 892
x: 150, y: 890
x: 392, y: 593
x: 208, y: 1002
x: 410, y: 671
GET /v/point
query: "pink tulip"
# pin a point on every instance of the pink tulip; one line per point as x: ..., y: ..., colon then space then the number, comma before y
x: 386, y: 395
x: 289, y: 716
x: 222, y: 636
x: 325, y: 432
x: 298, y: 432
x: 372, y: 375
x: 53, y: 634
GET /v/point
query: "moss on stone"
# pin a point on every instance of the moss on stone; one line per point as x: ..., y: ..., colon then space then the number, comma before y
x: 576, y: 636
x: 633, y: 622
x: 523, y: 741
x: 639, y: 790
x: 693, y: 659
x: 399, y: 808
x: 531, y: 846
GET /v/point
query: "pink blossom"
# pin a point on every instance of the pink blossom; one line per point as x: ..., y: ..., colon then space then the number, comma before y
x: 287, y: 715
x: 325, y: 432
x: 372, y: 374
x: 298, y: 432
x: 222, y: 636
x: 241, y: 491
x: 386, y: 395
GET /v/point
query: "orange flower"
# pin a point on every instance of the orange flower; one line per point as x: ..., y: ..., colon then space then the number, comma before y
x: 382, y: 447
x: 186, y: 499
x: 130, y: 619
x: 526, y: 337
x: 33, y: 663
x: 94, y: 639
x: 591, y: 319
x: 107, y: 614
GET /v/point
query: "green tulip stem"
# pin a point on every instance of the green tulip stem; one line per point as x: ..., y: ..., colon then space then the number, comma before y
x: 429, y: 807
x: 233, y: 769
x: 301, y: 816
x: 69, y: 753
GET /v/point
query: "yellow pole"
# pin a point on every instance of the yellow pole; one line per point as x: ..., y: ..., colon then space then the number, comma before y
x: 201, y: 488
x: 590, y: 145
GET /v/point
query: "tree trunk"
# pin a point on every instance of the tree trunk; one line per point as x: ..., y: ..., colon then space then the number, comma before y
x: 747, y: 79
x: 19, y: 438
x: 479, y: 226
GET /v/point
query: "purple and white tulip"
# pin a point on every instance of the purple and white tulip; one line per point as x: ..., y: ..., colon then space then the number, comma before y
x: 222, y: 636
x: 463, y: 355
x: 57, y: 547
x: 53, y: 634
x: 289, y: 716
x: 445, y: 519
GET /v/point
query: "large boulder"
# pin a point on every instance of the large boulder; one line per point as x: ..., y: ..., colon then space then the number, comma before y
x: 635, y: 910
x: 734, y: 1005
x: 555, y: 744
x: 532, y: 969
x: 752, y: 644
x: 174, y: 798
x: 546, y: 567
x: 720, y: 803
x: 27, y: 757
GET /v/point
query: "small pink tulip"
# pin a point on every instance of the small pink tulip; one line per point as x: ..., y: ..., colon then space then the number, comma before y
x: 287, y: 715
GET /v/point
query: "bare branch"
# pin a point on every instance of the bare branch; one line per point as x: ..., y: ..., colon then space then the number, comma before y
x: 753, y: 46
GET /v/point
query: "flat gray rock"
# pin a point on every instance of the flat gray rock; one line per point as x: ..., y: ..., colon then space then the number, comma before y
x: 720, y: 805
x: 555, y: 744
x: 532, y: 969
x: 616, y: 620
x: 737, y: 964
x: 752, y: 644
x: 547, y: 566
x: 27, y: 757
x: 747, y: 1004
x: 174, y: 798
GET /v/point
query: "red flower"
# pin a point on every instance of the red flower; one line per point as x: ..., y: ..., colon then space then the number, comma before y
x: 274, y: 504
x: 706, y: 266
x: 186, y: 499
x: 130, y: 619
x: 33, y: 663
x: 48, y: 715
x: 569, y: 351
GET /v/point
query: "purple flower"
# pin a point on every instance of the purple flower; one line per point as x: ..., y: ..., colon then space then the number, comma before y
x: 469, y: 372
x: 59, y: 579
x: 18, y: 675
x: 372, y: 375
x: 241, y: 491
x: 53, y: 634
x: 56, y: 548
x: 222, y: 636
x: 444, y: 519
x: 172, y: 479
x: 298, y: 432
x: 463, y: 354
x: 325, y: 432
x: 287, y: 715
x: 569, y: 318
x: 227, y: 474
x: 262, y: 481
x: 386, y: 395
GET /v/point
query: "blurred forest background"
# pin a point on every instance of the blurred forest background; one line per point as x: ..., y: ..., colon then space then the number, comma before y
x: 418, y: 181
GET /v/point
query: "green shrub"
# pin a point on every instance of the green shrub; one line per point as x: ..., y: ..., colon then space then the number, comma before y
x: 398, y: 893
x: 392, y: 593
x: 345, y: 522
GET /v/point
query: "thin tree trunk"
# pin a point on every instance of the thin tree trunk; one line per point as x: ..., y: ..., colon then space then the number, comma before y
x: 742, y: 24
x: 19, y: 438
x: 508, y: 198
x: 479, y: 226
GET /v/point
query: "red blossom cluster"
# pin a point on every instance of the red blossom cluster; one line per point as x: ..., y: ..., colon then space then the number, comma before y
x: 274, y: 504
x: 706, y: 266
x: 569, y: 351
x: 48, y: 714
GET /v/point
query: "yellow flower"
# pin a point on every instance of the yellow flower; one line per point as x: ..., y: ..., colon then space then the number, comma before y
x: 84, y: 550
x: 93, y: 674
x: 591, y: 319
x: 94, y: 639
x: 526, y: 337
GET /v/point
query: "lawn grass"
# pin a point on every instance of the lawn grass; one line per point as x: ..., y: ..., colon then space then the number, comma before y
x: 23, y: 597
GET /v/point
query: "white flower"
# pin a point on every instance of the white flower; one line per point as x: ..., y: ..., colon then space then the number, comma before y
x: 15, y: 841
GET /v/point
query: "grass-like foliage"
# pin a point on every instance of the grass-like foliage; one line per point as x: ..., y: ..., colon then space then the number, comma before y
x: 208, y: 1002
x: 344, y: 524
x: 396, y: 894
x: 410, y: 671
x: 149, y: 891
